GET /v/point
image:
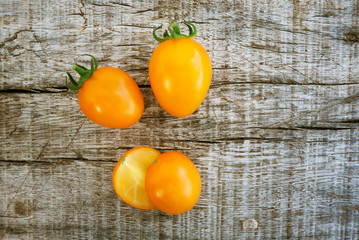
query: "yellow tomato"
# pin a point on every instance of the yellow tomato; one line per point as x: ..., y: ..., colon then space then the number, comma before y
x: 111, y: 98
x: 107, y: 96
x: 173, y: 183
x: 180, y: 74
x: 129, y: 176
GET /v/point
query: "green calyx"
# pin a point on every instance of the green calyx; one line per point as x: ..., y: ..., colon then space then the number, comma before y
x: 83, y: 72
x: 174, y: 31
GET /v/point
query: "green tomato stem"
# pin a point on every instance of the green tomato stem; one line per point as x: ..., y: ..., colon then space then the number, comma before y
x: 83, y: 72
x: 79, y: 69
x: 174, y: 31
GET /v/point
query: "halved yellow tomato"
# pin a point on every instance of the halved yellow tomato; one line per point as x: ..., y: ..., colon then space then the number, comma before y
x: 129, y: 176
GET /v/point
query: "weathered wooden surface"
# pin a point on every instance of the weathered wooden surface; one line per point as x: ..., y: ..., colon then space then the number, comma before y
x: 276, y: 140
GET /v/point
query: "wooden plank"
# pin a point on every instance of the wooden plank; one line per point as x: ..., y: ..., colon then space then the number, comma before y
x: 275, y: 141
x: 262, y: 44
x: 33, y: 129
x: 285, y: 195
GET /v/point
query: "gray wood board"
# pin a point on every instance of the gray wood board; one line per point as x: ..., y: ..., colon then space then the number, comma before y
x: 276, y: 140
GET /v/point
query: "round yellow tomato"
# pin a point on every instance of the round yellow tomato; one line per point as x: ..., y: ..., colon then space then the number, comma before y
x: 108, y: 96
x: 180, y: 73
x: 111, y: 98
x: 173, y: 183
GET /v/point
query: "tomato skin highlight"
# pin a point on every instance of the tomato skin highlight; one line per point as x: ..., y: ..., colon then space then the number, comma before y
x: 180, y: 73
x: 173, y: 183
x: 111, y: 98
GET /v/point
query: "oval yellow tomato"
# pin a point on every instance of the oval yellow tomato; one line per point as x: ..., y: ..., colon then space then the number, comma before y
x: 173, y: 183
x: 180, y: 74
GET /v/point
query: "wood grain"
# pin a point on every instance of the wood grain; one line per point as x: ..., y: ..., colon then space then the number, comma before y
x: 276, y: 140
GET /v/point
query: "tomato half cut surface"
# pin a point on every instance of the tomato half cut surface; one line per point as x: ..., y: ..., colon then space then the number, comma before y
x: 129, y: 176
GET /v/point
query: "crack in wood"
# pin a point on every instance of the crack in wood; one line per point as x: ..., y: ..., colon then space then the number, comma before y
x: 286, y: 78
x: 14, y: 37
x: 81, y: 14
x: 35, y: 91
x: 305, y: 128
x: 306, y: 113
x: 42, y: 150
x: 77, y: 131
x: 12, y: 131
x: 2, y: 216
x: 214, y: 84
x: 18, y: 190
x: 144, y: 11
x: 112, y: 4
x: 346, y: 121
x: 58, y: 161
